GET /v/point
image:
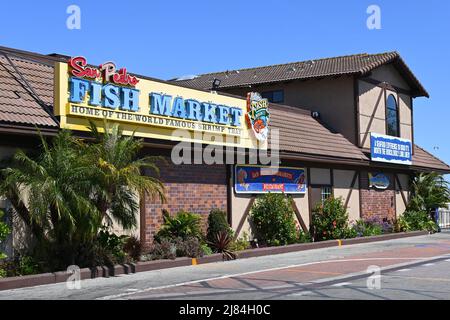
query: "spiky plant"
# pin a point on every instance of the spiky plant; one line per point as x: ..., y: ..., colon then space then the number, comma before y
x: 222, y: 244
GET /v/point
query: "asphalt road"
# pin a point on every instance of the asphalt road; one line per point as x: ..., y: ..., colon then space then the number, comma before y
x: 410, y: 268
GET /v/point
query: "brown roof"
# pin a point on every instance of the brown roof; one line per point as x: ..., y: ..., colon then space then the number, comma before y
x: 424, y: 159
x: 301, y: 133
x: 359, y: 65
x: 18, y: 103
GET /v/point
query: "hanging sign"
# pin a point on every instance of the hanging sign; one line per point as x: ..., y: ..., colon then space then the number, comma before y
x: 259, y: 179
x: 258, y: 115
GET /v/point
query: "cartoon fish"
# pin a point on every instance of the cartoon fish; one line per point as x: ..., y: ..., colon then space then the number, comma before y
x: 300, y: 181
x: 241, y: 176
x: 378, y: 181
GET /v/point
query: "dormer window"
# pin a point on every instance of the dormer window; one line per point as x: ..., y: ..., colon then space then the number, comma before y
x: 392, y: 124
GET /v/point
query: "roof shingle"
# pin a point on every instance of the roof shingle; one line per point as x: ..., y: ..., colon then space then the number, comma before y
x: 359, y: 64
x: 424, y: 159
x: 304, y: 134
x: 17, y: 103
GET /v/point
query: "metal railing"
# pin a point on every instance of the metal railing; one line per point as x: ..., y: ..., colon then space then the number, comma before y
x: 443, y: 217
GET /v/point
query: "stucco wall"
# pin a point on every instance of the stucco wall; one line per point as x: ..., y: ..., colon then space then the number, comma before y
x: 342, y: 185
x: 372, y: 105
x: 388, y: 73
x: 332, y: 97
x: 405, y: 115
x: 400, y: 205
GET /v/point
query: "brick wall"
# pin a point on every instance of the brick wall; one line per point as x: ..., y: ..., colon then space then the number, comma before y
x: 194, y: 188
x: 379, y: 204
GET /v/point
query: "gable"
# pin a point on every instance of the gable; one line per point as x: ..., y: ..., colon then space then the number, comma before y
x: 388, y: 73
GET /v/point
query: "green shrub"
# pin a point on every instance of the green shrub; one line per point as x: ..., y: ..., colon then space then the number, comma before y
x: 164, y: 249
x: 303, y: 237
x: 273, y: 219
x: 182, y: 225
x: 19, y: 265
x: 171, y: 248
x: 367, y: 227
x: 206, y: 249
x: 330, y: 220
x: 4, y: 232
x: 189, y: 247
x: 111, y: 247
x: 28, y: 266
x: 217, y: 222
x: 241, y: 243
x: 133, y: 248
x: 415, y: 220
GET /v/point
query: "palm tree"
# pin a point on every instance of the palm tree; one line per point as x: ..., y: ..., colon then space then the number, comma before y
x: 429, y: 191
x: 51, y: 194
x: 65, y: 193
x: 118, y: 177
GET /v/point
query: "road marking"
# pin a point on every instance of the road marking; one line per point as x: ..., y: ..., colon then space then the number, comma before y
x: 316, y: 272
x: 132, y: 290
x: 404, y: 270
x: 120, y: 295
x: 420, y: 278
x: 301, y: 293
x: 342, y: 284
x: 428, y: 264
x: 448, y: 260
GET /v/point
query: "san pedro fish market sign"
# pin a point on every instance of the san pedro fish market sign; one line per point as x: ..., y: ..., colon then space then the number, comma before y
x: 151, y: 108
x: 256, y: 179
x: 390, y: 149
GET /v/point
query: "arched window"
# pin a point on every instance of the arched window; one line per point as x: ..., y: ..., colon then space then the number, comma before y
x: 392, y: 125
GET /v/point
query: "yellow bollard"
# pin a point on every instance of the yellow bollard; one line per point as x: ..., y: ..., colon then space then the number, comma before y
x: 339, y: 243
x: 194, y: 261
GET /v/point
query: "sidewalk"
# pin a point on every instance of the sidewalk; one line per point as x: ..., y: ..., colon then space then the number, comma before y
x: 295, y: 267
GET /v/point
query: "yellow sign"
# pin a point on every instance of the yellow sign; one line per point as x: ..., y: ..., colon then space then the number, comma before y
x: 150, y: 108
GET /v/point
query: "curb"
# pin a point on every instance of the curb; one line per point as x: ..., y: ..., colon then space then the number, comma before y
x: 123, y: 269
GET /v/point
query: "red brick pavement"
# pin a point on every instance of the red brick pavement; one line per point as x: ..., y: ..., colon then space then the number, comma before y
x: 292, y: 277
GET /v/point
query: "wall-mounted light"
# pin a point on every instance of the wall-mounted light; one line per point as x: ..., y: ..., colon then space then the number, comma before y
x: 216, y: 83
x: 315, y: 115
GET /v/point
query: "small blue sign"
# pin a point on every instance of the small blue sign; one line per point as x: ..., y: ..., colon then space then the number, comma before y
x: 379, y: 181
x: 390, y: 149
x: 259, y: 179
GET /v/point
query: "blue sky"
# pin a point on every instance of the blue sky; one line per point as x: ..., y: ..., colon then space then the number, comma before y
x: 166, y: 39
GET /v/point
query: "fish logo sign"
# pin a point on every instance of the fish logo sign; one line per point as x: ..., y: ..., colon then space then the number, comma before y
x: 378, y: 181
x: 258, y: 115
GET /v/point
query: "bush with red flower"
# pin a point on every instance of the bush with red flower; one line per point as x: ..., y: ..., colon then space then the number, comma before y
x: 330, y: 220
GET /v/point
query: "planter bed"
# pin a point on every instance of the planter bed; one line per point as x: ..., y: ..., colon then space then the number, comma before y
x: 103, y: 271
